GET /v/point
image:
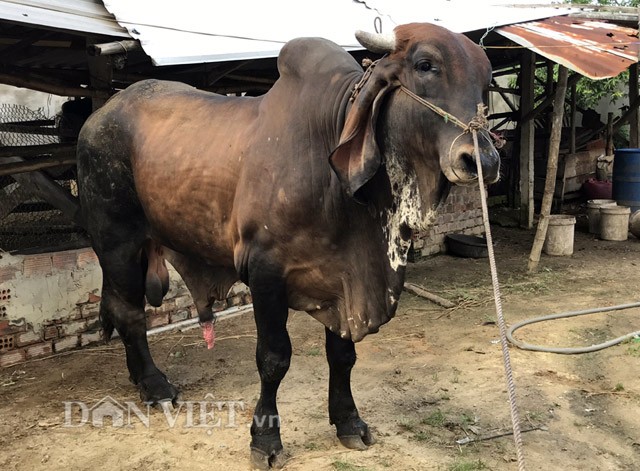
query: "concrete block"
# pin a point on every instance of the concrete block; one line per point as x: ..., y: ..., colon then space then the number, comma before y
x: 65, y: 343
x: 50, y: 332
x: 73, y: 327
x: 183, y: 302
x: 39, y: 350
x: 12, y: 357
x: 157, y: 320
x: 64, y: 260
x: 180, y: 315
x: 87, y: 338
x: 37, y: 265
x: 28, y: 337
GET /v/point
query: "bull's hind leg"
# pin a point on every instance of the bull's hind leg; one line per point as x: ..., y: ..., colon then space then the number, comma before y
x: 273, y: 355
x: 352, y: 431
x: 122, y: 307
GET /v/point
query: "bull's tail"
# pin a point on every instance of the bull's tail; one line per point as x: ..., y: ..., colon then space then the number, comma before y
x: 157, y: 277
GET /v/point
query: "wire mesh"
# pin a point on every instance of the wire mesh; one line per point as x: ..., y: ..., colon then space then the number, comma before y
x: 27, y: 222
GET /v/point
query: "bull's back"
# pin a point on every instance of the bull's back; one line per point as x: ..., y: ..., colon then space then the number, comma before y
x: 177, y: 152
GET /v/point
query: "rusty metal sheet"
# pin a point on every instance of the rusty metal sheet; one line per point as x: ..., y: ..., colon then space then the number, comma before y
x: 594, y: 49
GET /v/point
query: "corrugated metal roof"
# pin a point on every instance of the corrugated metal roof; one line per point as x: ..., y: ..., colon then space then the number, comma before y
x: 192, y: 32
x: 88, y: 16
x: 594, y: 49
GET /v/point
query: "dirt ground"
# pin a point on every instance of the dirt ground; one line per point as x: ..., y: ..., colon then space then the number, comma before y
x: 430, y: 377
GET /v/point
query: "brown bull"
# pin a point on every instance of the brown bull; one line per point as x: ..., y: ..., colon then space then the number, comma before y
x: 307, y: 194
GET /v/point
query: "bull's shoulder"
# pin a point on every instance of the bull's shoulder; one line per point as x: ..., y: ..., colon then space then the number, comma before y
x: 305, y: 57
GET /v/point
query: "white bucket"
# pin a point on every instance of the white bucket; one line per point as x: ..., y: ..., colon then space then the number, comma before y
x: 614, y: 222
x: 593, y: 213
x: 560, y: 234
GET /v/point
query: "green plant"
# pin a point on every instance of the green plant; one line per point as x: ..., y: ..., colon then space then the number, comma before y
x: 435, y: 419
x: 634, y: 347
x: 474, y: 465
x: 340, y: 465
x: 314, y: 352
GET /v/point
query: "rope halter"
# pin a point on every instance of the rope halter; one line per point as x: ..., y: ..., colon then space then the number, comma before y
x: 478, y: 123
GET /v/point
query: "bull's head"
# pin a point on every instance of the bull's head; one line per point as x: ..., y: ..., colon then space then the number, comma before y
x: 431, y: 64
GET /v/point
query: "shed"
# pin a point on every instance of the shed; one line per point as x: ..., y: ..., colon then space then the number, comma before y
x: 90, y: 49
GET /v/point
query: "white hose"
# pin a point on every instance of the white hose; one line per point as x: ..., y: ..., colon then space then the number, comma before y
x: 571, y: 350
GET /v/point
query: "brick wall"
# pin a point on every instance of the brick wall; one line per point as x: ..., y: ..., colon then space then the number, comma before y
x: 49, y: 303
x: 461, y: 213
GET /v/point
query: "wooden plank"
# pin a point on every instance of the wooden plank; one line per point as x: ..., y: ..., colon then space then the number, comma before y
x: 39, y: 163
x: 46, y: 188
x: 527, y: 132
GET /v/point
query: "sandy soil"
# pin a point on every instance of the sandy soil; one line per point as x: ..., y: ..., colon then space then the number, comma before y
x: 430, y: 377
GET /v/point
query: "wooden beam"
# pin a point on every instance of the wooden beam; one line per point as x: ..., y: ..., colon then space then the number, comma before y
x: 39, y: 163
x: 101, y: 77
x: 55, y: 89
x: 527, y: 133
x: 47, y: 189
x: 634, y: 118
x: 552, y: 168
x: 549, y: 100
x: 32, y: 151
x: 572, y: 136
x: 501, y: 90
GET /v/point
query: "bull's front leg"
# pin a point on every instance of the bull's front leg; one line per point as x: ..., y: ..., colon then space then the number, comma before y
x: 273, y: 356
x: 352, y: 431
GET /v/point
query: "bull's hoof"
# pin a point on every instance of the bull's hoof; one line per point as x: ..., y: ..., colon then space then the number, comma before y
x: 355, y: 435
x: 156, y: 390
x: 264, y: 461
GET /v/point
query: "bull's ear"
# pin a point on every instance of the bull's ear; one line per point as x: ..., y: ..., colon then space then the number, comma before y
x: 357, y: 157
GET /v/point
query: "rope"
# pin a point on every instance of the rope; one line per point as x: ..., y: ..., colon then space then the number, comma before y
x: 480, y: 123
x: 515, y: 417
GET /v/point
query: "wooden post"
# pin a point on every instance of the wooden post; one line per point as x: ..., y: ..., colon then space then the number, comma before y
x: 608, y: 146
x: 101, y: 76
x: 572, y: 137
x: 527, y: 71
x: 552, y: 168
x: 634, y: 122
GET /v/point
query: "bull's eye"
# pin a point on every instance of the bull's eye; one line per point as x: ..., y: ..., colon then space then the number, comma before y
x: 424, y: 66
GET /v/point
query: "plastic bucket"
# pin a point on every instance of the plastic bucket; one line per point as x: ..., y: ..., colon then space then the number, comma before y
x: 626, y: 178
x: 614, y: 222
x: 593, y: 213
x: 634, y: 224
x: 560, y: 233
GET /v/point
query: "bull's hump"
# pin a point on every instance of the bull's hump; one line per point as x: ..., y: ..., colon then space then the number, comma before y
x: 303, y: 57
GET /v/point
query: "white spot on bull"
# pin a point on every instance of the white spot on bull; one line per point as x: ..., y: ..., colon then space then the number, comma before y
x: 266, y: 228
x: 407, y: 211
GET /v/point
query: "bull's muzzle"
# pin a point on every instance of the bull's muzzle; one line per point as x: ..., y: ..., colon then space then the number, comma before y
x: 461, y: 167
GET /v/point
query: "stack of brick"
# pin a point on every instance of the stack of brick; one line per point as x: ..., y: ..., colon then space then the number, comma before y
x: 461, y: 213
x: 49, y: 303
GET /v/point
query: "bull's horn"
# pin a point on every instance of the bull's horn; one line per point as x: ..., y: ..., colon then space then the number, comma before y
x: 378, y: 43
